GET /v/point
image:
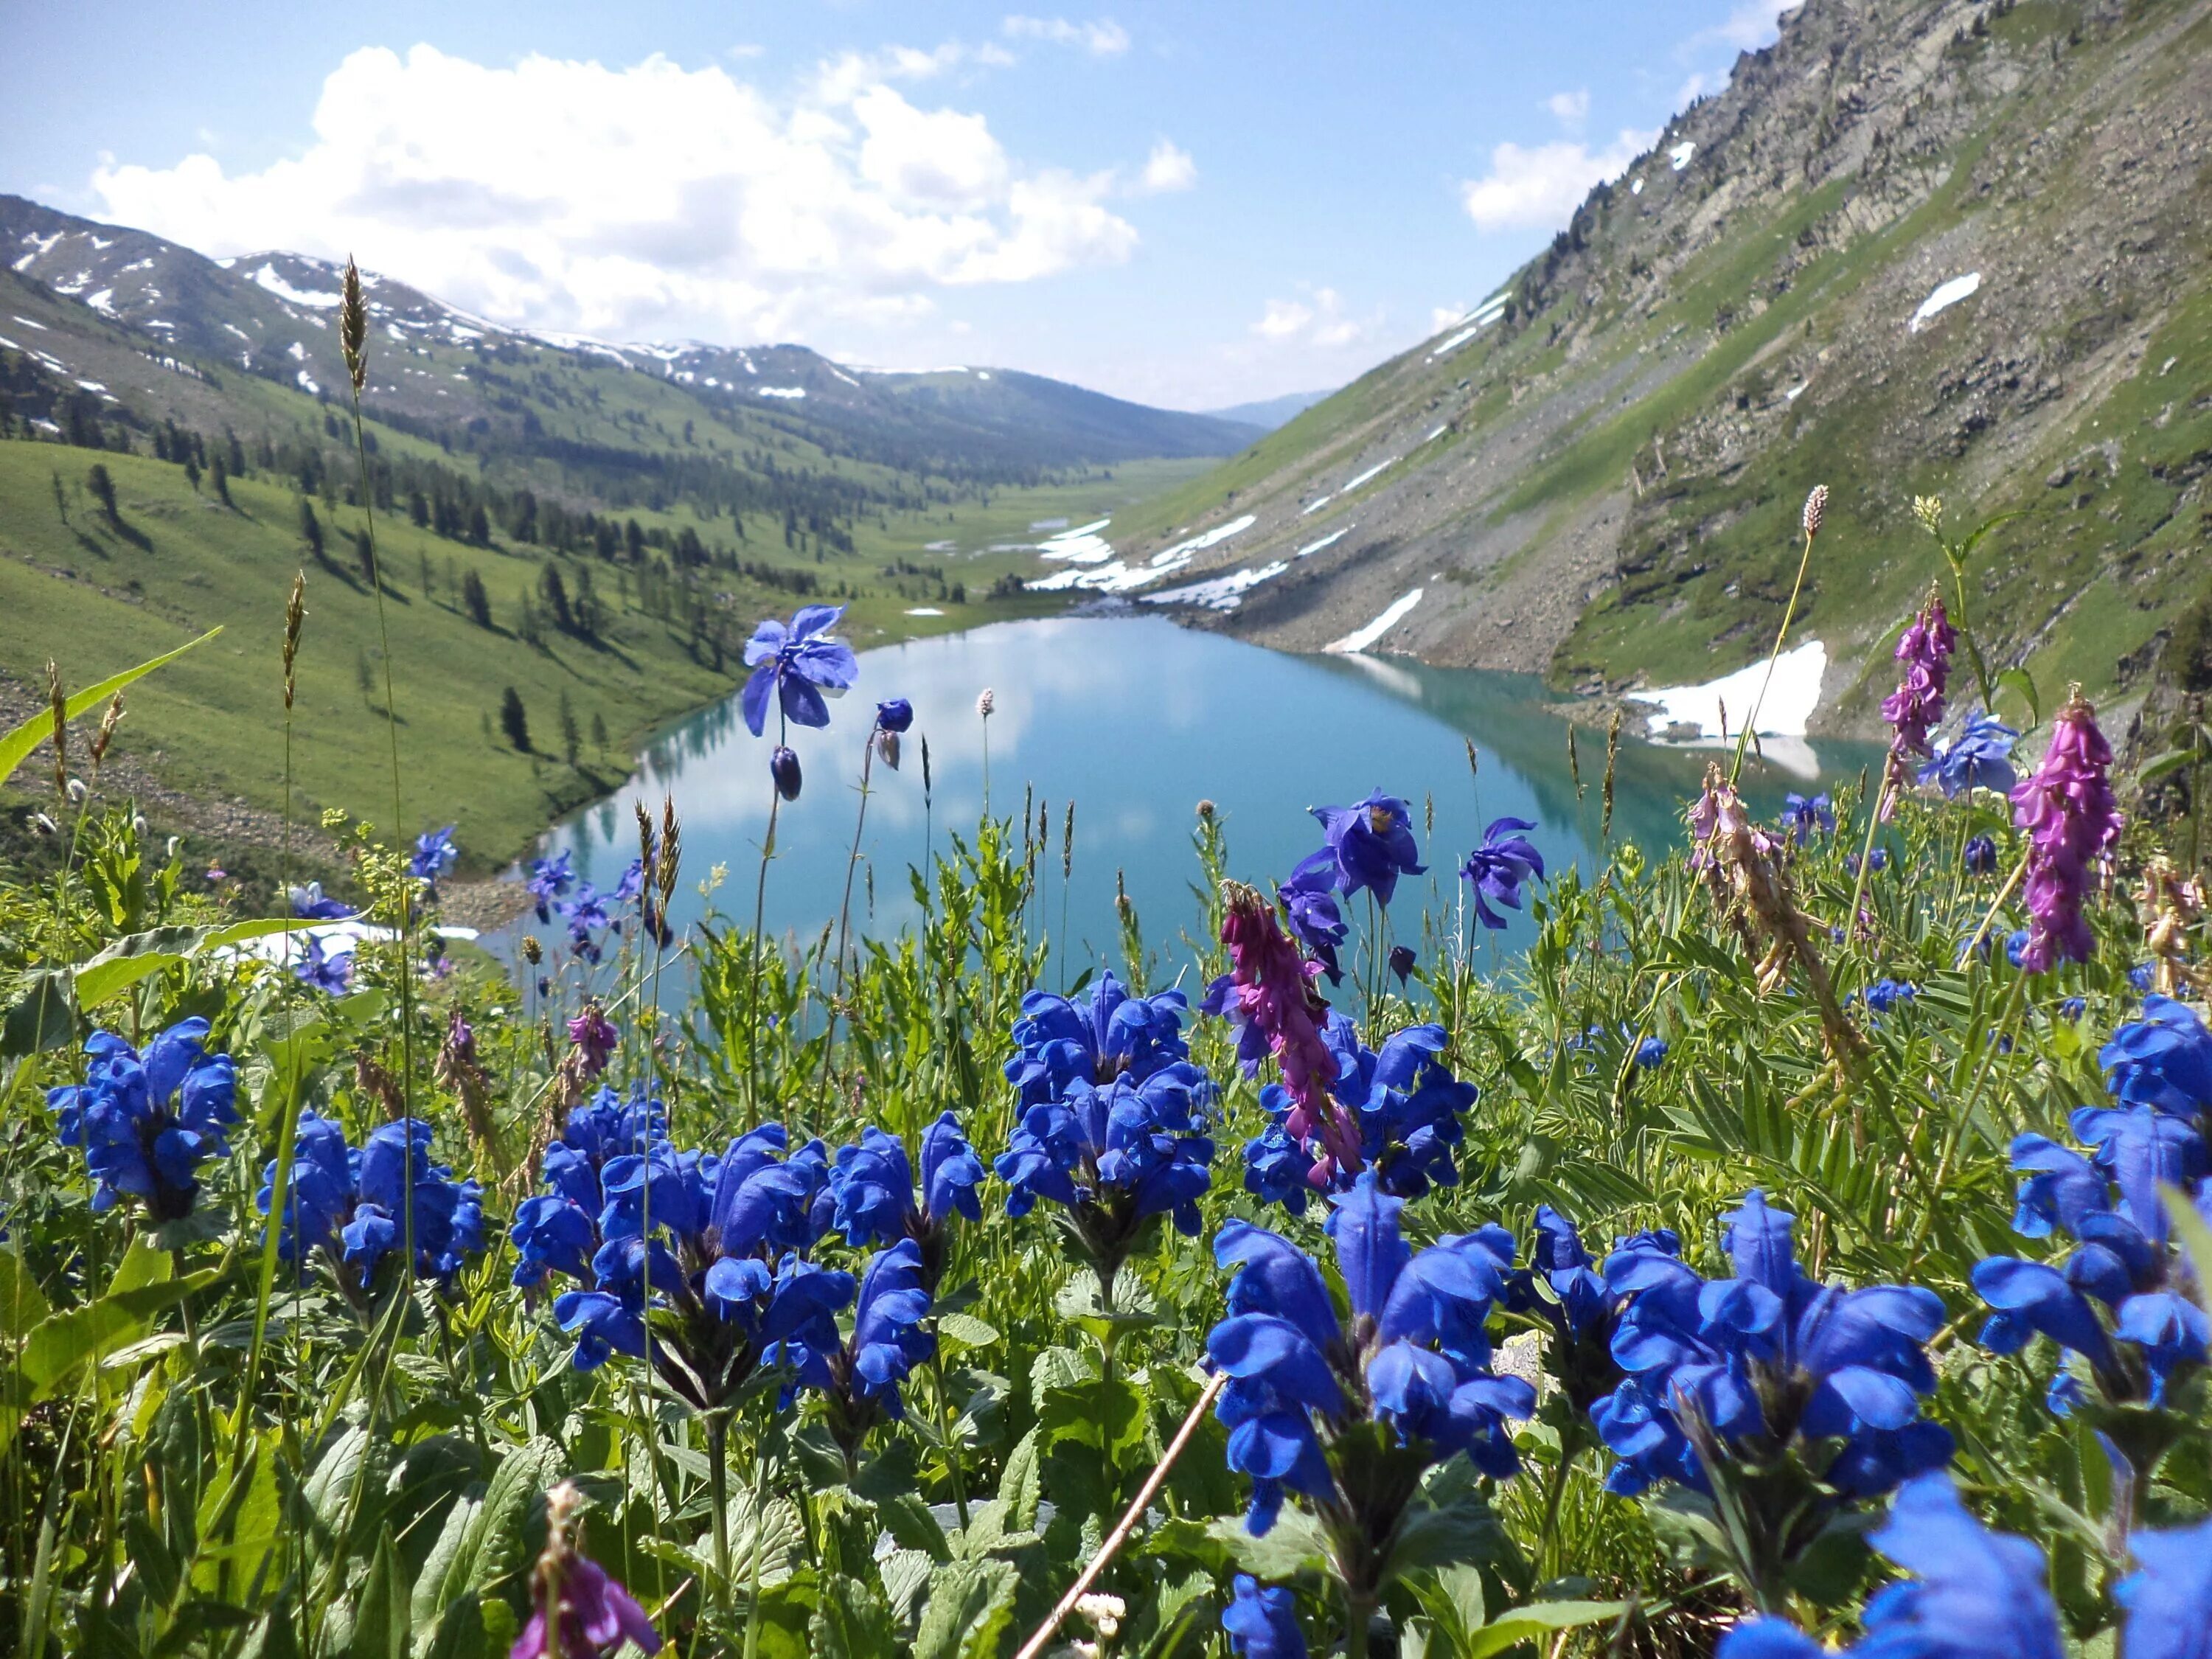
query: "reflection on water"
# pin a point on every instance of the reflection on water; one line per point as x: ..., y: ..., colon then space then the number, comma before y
x: 1136, y: 720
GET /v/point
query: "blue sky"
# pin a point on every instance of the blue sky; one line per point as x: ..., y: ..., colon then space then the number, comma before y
x: 1189, y: 205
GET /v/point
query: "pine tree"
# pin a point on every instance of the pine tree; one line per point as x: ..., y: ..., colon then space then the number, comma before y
x: 479, y: 525
x: 311, y: 528
x: 425, y: 569
x: 556, y: 596
x: 572, y: 736
x: 219, y: 475
x: 61, y: 498
x: 513, y: 720
x: 475, y: 600
x: 102, y: 488
x: 598, y: 730
x: 364, y: 554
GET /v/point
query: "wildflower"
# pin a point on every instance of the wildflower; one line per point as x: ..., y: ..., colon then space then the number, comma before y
x: 1402, y: 962
x: 1800, y: 817
x: 859, y: 1378
x: 1980, y: 757
x: 797, y: 664
x: 783, y: 768
x: 320, y: 971
x: 1268, y: 995
x: 1793, y: 1396
x: 2072, y: 1007
x: 559, y: 1230
x: 1915, y: 708
x: 1262, y: 1623
x: 435, y: 854
x: 550, y: 879
x: 1105, y: 1613
x: 1115, y: 1156
x: 894, y: 714
x: 2071, y: 819
x: 1885, y: 994
x: 1498, y: 867
x: 2142, y: 975
x: 1980, y: 855
x: 147, y: 1123
x: 986, y: 702
x: 1061, y: 1041
x: 1372, y: 842
x: 594, y: 1037
x: 1816, y: 510
x: 358, y: 1208
x: 2168, y: 1597
x: 1876, y: 861
x: 1976, y: 1593
x: 1351, y: 1415
x: 872, y: 1186
x: 586, y: 917
x: 1581, y: 1309
x: 1651, y: 1053
x: 580, y: 1612
x: 308, y: 905
x: 2163, y: 1060
x: 1308, y: 902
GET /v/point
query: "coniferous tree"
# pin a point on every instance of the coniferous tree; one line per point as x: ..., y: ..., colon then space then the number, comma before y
x: 598, y: 730
x: 311, y: 528
x: 514, y: 719
x: 475, y: 600
x: 572, y: 736
x: 557, y: 599
x: 102, y: 490
x: 218, y: 476
x: 479, y: 525
x: 61, y: 498
x: 364, y: 554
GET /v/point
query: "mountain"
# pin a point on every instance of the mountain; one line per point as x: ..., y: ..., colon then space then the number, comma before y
x: 1912, y: 250
x: 1270, y: 412
x: 272, y: 315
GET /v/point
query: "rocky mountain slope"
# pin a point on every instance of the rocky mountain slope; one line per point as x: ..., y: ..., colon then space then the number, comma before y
x: 1913, y: 249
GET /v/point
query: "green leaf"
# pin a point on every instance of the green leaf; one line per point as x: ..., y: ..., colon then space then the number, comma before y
x: 458, y: 1633
x: 1293, y: 1544
x: 960, y: 1330
x: 851, y: 1621
x: 2016, y: 681
x: 22, y: 1304
x: 42, y: 1016
x: 2159, y: 765
x: 912, y: 1526
x: 1020, y: 1485
x: 127, y: 961
x: 62, y: 1343
x: 2195, y: 1236
x: 481, y: 1540
x: 969, y: 1603
x: 379, y: 1620
x: 27, y: 737
x: 1523, y: 1624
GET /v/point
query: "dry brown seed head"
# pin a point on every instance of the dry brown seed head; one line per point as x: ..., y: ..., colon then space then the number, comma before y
x: 59, y: 700
x: 353, y: 326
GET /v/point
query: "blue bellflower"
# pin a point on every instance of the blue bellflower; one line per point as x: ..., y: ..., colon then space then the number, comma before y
x: 361, y: 1207
x: 1406, y: 1101
x: 1106, y: 1033
x: 1372, y: 842
x: 797, y: 663
x: 1499, y: 868
x: 147, y: 1123
x: 2163, y: 1060
x: 1562, y: 1287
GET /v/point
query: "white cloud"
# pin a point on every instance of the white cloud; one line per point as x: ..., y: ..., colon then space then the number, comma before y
x: 1168, y: 169
x: 1319, y: 320
x: 1569, y: 107
x: 647, y: 200
x: 1540, y: 187
x: 1752, y: 24
x: 1101, y: 37
x: 1443, y: 317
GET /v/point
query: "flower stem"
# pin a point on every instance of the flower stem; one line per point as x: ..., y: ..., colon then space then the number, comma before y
x: 759, y: 966
x: 717, y: 1481
x: 1781, y: 633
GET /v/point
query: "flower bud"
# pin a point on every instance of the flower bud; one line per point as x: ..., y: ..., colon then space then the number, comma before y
x: 783, y: 767
x: 1816, y: 509
x: 895, y: 714
x: 887, y: 745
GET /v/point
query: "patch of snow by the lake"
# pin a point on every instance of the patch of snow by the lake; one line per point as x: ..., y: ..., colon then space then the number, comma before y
x: 780, y: 391
x: 1312, y: 508
x: 46, y: 426
x: 337, y: 938
x: 1680, y: 155
x: 1182, y: 551
x: 1115, y: 577
x: 102, y: 243
x: 1945, y: 296
x: 925, y: 610
x: 1435, y: 434
x: 1796, y: 391
x: 941, y: 547
x: 1456, y: 342
x: 1081, y: 545
x: 296, y: 352
x: 159, y: 322
x: 843, y: 375
x: 9, y: 343
x: 38, y: 244
x: 1312, y: 548
x: 1367, y: 475
x: 1783, y: 713
x: 92, y: 385
x: 268, y: 278
x: 241, y: 332
x: 1361, y: 639
x: 1636, y: 188
x: 1036, y: 525
x: 1221, y: 593
x: 306, y: 383
x: 103, y: 301
x: 457, y: 331
x: 27, y: 323
x: 983, y: 374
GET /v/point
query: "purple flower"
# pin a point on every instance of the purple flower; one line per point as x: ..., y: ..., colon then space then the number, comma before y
x: 550, y: 879
x: 1499, y: 866
x: 2071, y: 819
x: 895, y: 714
x: 1372, y: 843
x: 321, y: 972
x: 783, y: 768
x: 1915, y: 708
x: 580, y: 1612
x: 435, y: 854
x: 593, y: 1036
x: 308, y: 905
x: 1402, y: 962
x: 1800, y: 817
x: 1981, y: 855
x: 1980, y: 759
x: 799, y: 664
x: 1269, y: 995
x: 2168, y: 1597
x: 1308, y: 901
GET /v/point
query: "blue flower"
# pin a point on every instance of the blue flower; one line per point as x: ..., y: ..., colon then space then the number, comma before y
x: 2072, y: 1007
x: 360, y: 1207
x: 1407, y: 1104
x: 1981, y: 855
x: 1651, y: 1053
x: 1402, y: 962
x: 1499, y: 866
x: 1876, y: 862
x: 894, y: 714
x: 1582, y: 1309
x: 1414, y: 1359
x: 1841, y: 1372
x: 309, y: 905
x: 2163, y: 1060
x: 588, y: 916
x: 1372, y: 842
x: 1979, y: 758
x: 871, y: 1187
x: 550, y: 879
x: 1977, y: 1594
x: 1800, y: 817
x: 1885, y: 994
x: 1308, y: 901
x: 799, y: 664
x: 559, y: 1230
x: 784, y: 771
x: 2140, y: 976
x: 2168, y: 1597
x: 1115, y: 1156
x: 860, y: 1377
x: 435, y: 854
x: 1262, y: 1624
x: 1061, y: 1041
x: 147, y: 1123
x: 322, y: 971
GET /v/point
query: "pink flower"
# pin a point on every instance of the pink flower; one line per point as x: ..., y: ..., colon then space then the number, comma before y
x: 2067, y: 808
x: 595, y: 1614
x: 594, y: 1037
x: 1915, y: 708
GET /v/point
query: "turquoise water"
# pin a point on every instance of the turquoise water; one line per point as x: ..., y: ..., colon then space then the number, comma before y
x: 1137, y: 721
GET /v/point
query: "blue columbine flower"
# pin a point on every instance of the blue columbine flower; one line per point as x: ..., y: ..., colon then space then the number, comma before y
x: 894, y: 714
x: 1976, y: 1594
x: 859, y: 1378
x: 1308, y: 901
x: 872, y: 1186
x: 1060, y: 1042
x: 1114, y: 1156
x: 588, y: 916
x: 1835, y: 1375
x: 1372, y: 842
x: 310, y: 904
x: 799, y: 664
x: 1800, y: 817
x: 435, y: 854
x: 2163, y: 1060
x: 1349, y: 1415
x: 360, y: 1208
x: 321, y: 970
x: 146, y: 1123
x: 1262, y: 1623
x: 1981, y: 855
x: 1979, y: 758
x: 1402, y: 962
x: 1651, y: 1053
x: 549, y: 880
x: 1499, y: 866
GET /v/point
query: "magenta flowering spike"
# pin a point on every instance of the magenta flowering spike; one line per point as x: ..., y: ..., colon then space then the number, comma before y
x: 2072, y: 820
x: 1915, y: 709
x: 580, y: 1612
x: 1269, y: 991
x: 594, y: 1037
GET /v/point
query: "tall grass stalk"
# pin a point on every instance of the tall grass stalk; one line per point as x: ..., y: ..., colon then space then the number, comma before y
x: 1816, y: 509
